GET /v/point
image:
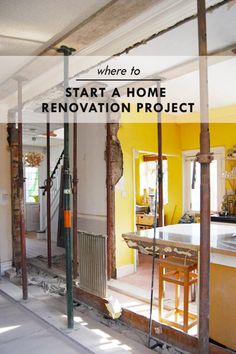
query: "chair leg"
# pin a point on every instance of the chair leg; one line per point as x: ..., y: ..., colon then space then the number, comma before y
x: 186, y: 299
x: 193, y: 292
x: 162, y: 256
x: 177, y: 295
x: 160, y: 308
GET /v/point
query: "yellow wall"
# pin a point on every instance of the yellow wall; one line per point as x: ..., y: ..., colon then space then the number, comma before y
x: 144, y: 137
x: 222, y: 294
x: 176, y: 138
x: 220, y: 135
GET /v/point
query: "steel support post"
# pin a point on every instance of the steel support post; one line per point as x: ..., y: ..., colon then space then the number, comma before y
x: 109, y: 202
x: 160, y: 164
x: 160, y: 218
x: 67, y: 194
x: 49, y: 248
x: 75, y: 198
x: 204, y: 158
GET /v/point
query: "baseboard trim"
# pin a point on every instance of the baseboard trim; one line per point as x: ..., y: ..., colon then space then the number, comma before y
x: 5, y: 266
x: 125, y: 270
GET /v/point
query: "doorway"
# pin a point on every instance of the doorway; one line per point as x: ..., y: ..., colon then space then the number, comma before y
x: 32, y: 203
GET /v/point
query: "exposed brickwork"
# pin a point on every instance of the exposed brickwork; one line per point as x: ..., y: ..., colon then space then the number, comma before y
x: 116, y: 154
x: 15, y: 197
x: 114, y: 160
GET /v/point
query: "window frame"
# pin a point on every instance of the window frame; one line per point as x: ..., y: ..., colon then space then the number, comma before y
x: 25, y: 185
x: 187, y: 157
x: 154, y: 158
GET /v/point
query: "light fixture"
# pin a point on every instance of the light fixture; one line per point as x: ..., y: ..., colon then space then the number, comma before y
x: 33, y: 158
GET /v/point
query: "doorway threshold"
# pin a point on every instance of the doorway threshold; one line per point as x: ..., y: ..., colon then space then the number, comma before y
x: 130, y: 290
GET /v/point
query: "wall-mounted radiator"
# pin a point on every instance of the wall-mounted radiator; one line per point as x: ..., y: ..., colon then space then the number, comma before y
x: 92, y: 258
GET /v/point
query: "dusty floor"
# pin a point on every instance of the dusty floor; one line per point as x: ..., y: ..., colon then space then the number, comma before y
x: 23, y: 332
x: 36, y: 247
x: 132, y: 291
x: 92, y: 331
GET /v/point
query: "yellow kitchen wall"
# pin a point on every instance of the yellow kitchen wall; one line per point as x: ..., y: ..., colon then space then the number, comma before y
x: 144, y: 137
x: 221, y: 134
x: 176, y: 138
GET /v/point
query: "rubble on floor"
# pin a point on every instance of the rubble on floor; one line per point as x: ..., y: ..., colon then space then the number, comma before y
x: 57, y: 261
x: 54, y: 285
x: 51, y: 284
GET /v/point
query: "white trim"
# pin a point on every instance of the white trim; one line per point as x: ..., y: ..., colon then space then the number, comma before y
x: 5, y: 266
x: 125, y: 270
x: 93, y: 217
x: 187, y: 156
x: 224, y: 260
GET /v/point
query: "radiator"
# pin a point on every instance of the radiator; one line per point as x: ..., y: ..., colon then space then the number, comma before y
x: 92, y: 257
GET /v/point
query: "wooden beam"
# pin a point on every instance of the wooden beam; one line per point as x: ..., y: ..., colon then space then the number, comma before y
x: 166, y: 334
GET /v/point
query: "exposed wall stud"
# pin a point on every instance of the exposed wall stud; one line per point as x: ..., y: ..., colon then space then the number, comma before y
x: 21, y: 191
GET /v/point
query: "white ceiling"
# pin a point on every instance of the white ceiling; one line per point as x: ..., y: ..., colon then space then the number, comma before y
x: 180, y: 45
x: 27, y: 25
x: 183, y: 40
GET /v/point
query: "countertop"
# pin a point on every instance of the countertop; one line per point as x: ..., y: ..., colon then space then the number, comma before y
x: 223, y: 237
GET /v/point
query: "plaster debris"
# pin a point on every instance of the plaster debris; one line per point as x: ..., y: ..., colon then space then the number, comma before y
x: 51, y: 285
x: 10, y: 273
x: 114, y: 307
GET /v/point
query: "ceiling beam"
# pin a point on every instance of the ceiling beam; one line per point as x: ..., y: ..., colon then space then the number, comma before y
x: 182, y: 69
x: 111, y: 40
x: 22, y: 39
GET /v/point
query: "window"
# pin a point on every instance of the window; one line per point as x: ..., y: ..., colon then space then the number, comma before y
x: 191, y: 197
x: 31, y: 184
x: 148, y: 178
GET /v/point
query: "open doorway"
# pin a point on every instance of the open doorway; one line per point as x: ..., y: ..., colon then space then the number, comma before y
x: 134, y: 290
x: 35, y: 196
x: 144, y: 174
x: 32, y: 203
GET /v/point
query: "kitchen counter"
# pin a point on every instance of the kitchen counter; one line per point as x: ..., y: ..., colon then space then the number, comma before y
x: 187, y: 236
x: 184, y: 240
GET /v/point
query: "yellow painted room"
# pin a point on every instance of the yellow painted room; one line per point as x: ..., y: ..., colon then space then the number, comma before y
x: 134, y: 212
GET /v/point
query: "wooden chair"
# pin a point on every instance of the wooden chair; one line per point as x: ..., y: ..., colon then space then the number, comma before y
x: 181, y: 272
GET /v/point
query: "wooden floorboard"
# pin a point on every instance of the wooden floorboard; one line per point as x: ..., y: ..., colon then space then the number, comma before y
x: 170, y: 335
